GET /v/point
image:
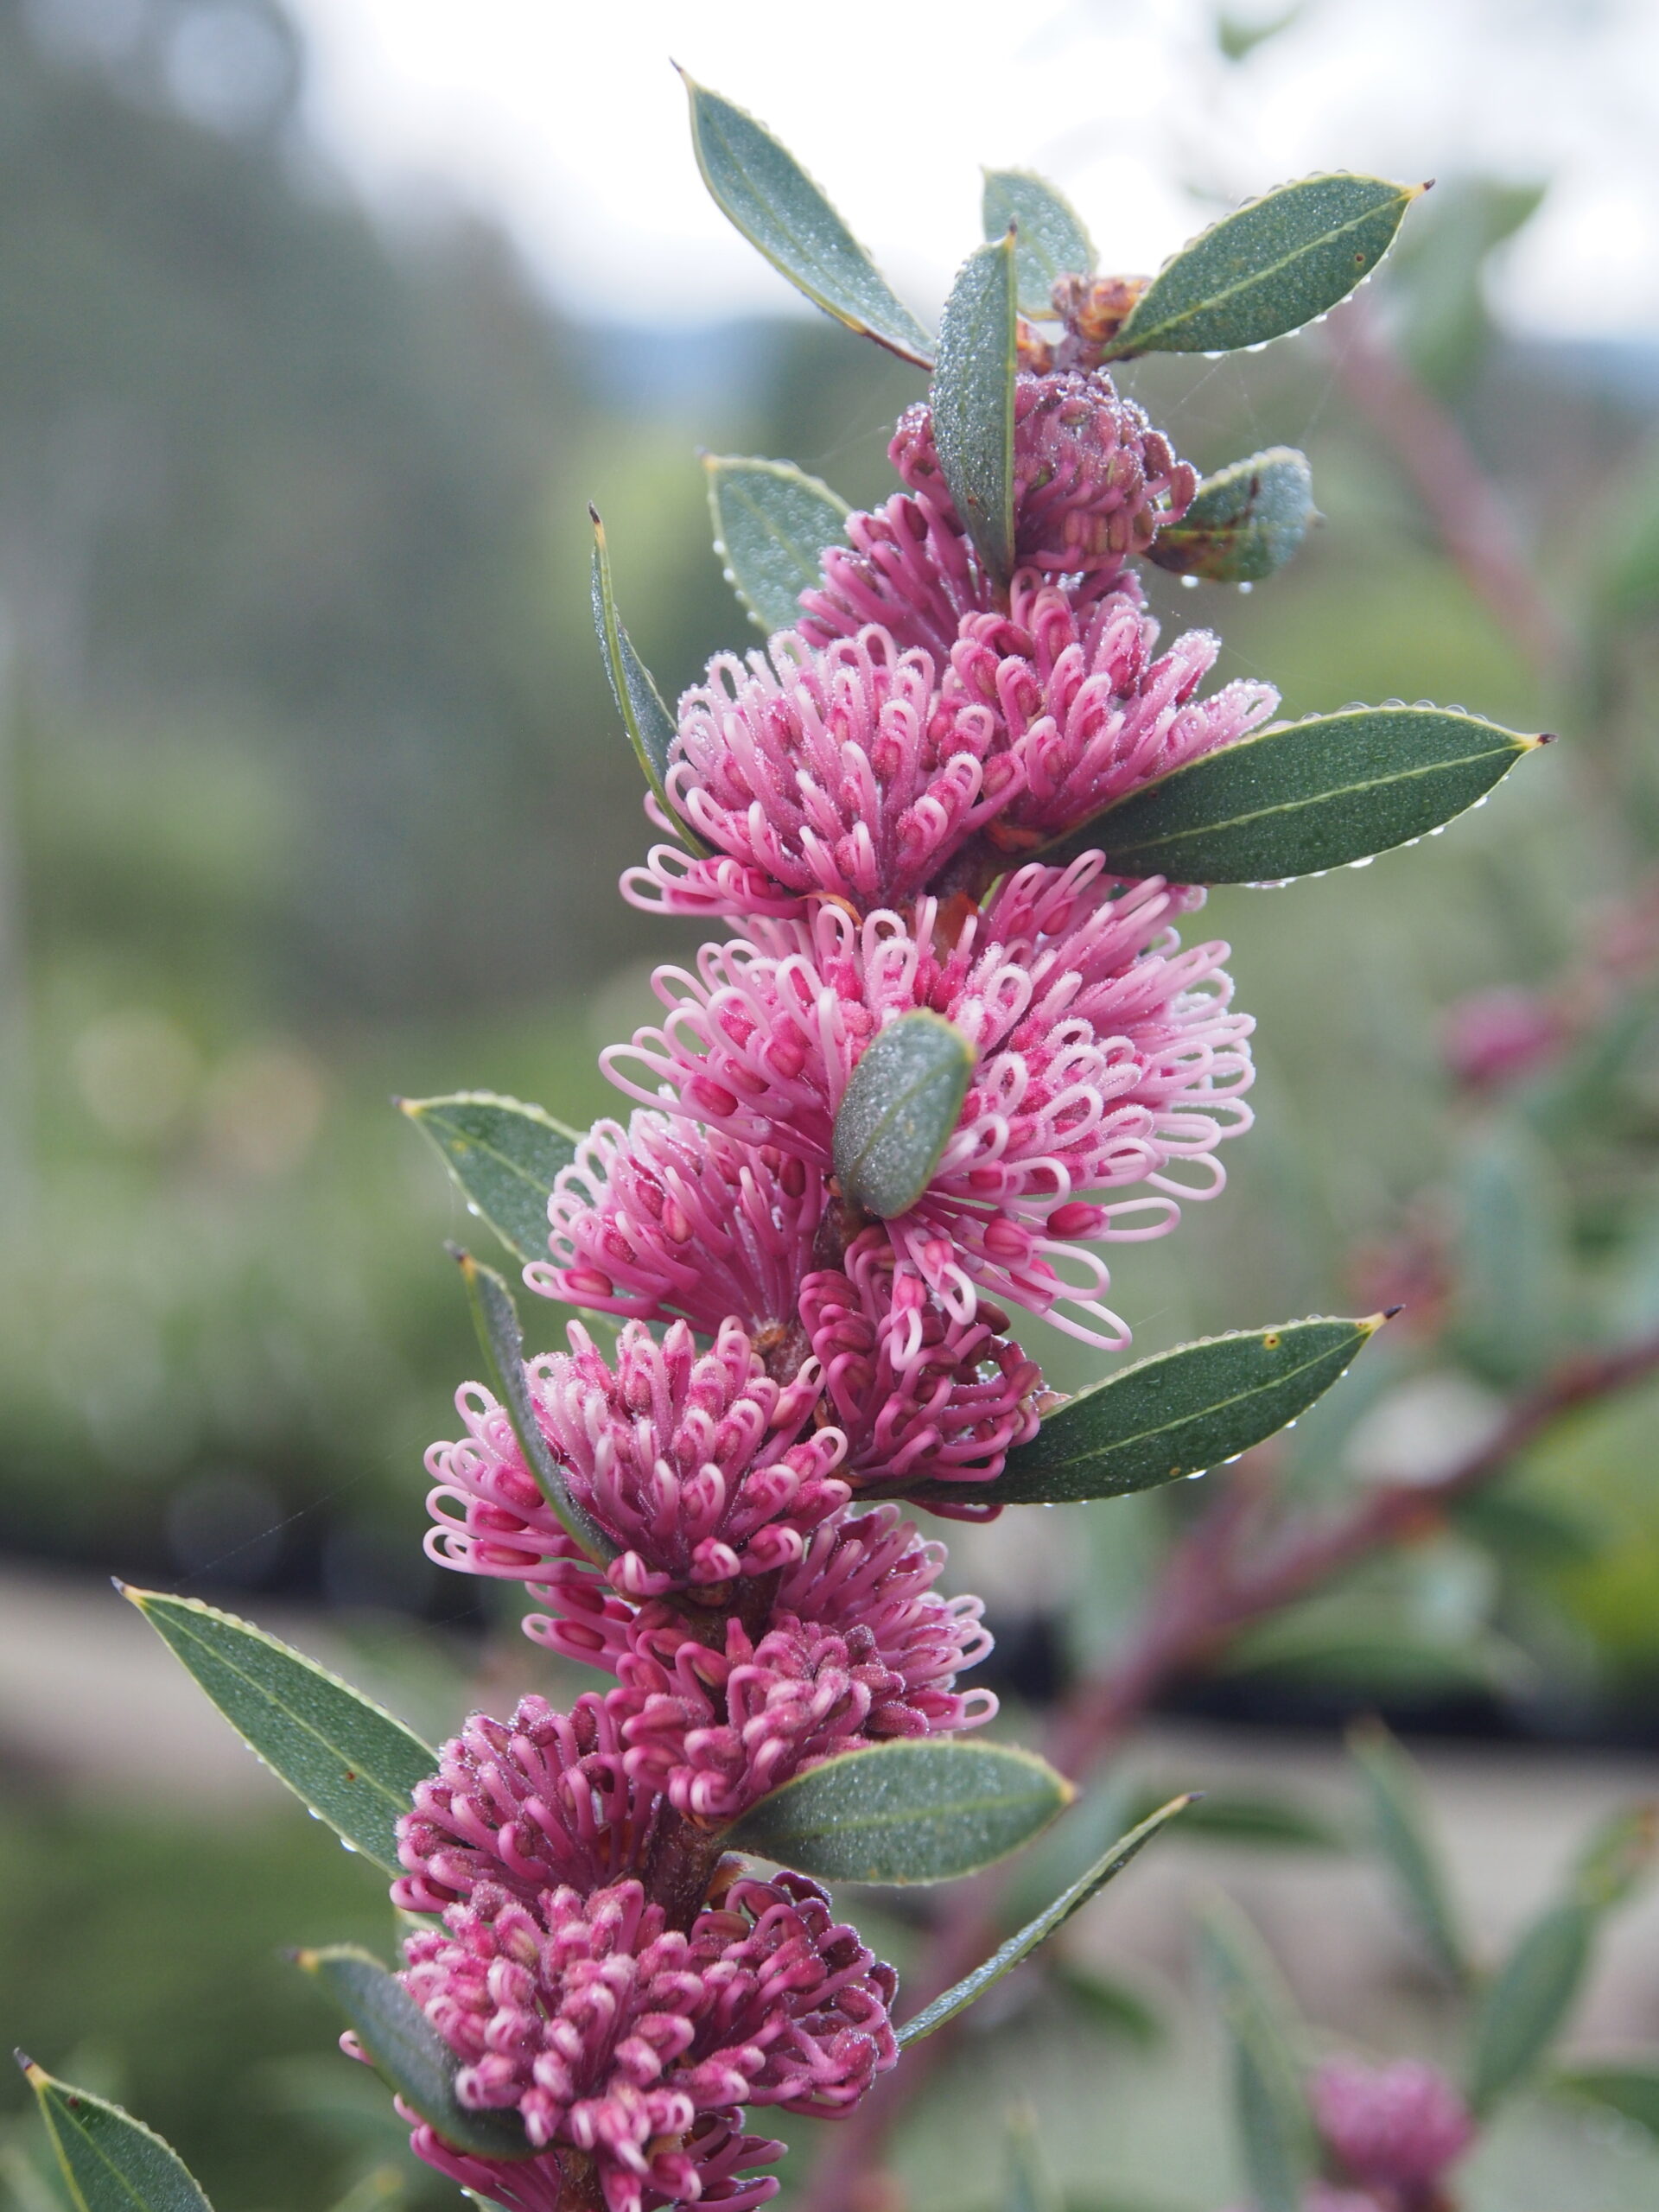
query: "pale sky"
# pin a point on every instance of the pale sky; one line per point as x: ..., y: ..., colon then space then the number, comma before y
x: 564, y: 119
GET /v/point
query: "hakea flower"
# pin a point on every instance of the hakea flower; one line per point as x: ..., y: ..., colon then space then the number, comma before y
x: 1397, y: 2126
x: 710, y: 2170
x: 918, y: 1393
x: 1093, y: 483
x: 1077, y: 699
x: 1106, y: 1057
x: 856, y: 1646
x: 659, y: 1220
x: 695, y: 1463
x: 532, y: 1803
x: 611, y: 2033
x: 832, y: 771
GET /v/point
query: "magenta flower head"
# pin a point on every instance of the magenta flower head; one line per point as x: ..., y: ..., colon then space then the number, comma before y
x: 1395, y: 2126
x: 1107, y: 1058
x: 711, y: 2170
x: 612, y: 2034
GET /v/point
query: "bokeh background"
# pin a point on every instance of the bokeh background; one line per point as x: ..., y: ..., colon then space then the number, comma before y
x: 318, y: 329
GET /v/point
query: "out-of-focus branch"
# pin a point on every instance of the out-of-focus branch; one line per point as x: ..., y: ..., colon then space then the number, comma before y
x: 1217, y: 1581
x: 1473, y: 523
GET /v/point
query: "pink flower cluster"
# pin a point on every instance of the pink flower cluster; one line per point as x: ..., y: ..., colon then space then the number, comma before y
x: 869, y: 801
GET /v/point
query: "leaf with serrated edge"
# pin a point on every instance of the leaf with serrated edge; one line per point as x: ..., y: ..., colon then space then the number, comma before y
x: 1269, y: 2102
x: 504, y: 1157
x: 112, y: 2162
x: 973, y: 402
x: 408, y: 2053
x: 1020, y: 1947
x: 1398, y: 1822
x: 650, y: 728
x: 899, y: 1111
x: 1300, y: 798
x: 763, y: 189
x: 1526, y: 2002
x: 922, y: 1810
x: 772, y: 523
x: 1244, y: 523
x: 496, y: 1319
x: 1050, y: 240
x: 1267, y: 267
x: 346, y: 1758
x: 1173, y: 1414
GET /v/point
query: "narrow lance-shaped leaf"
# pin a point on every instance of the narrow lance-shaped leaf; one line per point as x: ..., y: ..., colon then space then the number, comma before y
x: 973, y: 402
x: 650, y: 726
x: 898, y: 1111
x: 764, y: 190
x: 408, y: 2053
x: 1032, y: 2186
x: 504, y: 1156
x: 1267, y: 267
x: 346, y: 1756
x: 1619, y: 1856
x: 1176, y: 1413
x: 1526, y: 2003
x: 772, y: 525
x: 1021, y: 1946
x: 1303, y: 797
x: 1231, y: 1816
x: 496, y: 1319
x: 1399, y: 1825
x: 921, y: 1809
x: 1631, y: 2090
x: 1276, y: 2126
x: 1244, y: 522
x: 112, y: 2162
x: 1050, y: 239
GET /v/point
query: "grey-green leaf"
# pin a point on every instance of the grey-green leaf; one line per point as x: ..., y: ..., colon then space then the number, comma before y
x: 1176, y: 1413
x: 921, y: 1809
x: 1267, y: 267
x: 650, y: 728
x: 772, y: 523
x: 1235, y: 1816
x: 1050, y: 242
x: 503, y: 1155
x: 408, y: 2054
x: 112, y: 2162
x: 973, y: 402
x: 1300, y: 798
x: 1398, y: 1820
x: 764, y: 190
x: 1244, y: 522
x: 346, y: 1758
x: 1275, y: 2128
x: 1631, y: 2091
x: 899, y: 1112
x: 1526, y: 2003
x: 1020, y: 1947
x: 496, y: 1319
x: 1031, y: 2186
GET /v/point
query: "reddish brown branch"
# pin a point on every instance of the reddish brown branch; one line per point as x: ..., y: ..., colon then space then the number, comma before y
x: 1207, y: 1592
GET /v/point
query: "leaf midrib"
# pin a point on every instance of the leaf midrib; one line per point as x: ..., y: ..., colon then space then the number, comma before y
x: 60, y: 2103
x: 797, y: 553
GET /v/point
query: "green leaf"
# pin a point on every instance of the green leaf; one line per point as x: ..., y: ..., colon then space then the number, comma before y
x: 496, y: 1319
x: 1374, y: 1647
x: 1031, y: 2186
x: 1398, y: 1817
x: 900, y: 1111
x: 1267, y: 267
x: 651, y: 730
x: 504, y: 1156
x: 346, y: 1756
x: 1512, y: 1259
x: 1275, y: 2128
x: 1238, y: 37
x: 1618, y: 1857
x: 1526, y: 2003
x: 1244, y: 523
x: 768, y: 195
x: 1021, y: 1946
x: 1631, y: 2091
x: 379, y: 2191
x: 1303, y: 797
x: 1111, y: 2004
x: 973, y: 402
x: 112, y: 2162
x: 408, y: 2054
x: 1176, y: 1413
x: 1050, y: 241
x: 921, y: 1809
x: 772, y: 523
x: 1249, y: 1817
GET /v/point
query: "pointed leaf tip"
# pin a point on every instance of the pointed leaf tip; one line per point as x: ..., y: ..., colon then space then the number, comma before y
x: 503, y: 1156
